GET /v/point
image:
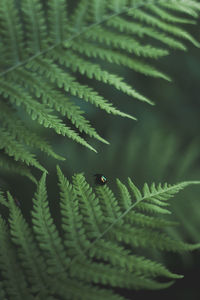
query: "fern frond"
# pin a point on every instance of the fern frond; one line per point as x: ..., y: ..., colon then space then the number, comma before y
x: 51, y: 244
x: 110, y: 208
x: 120, y: 5
x: 125, y: 43
x: 89, y: 206
x: 46, y: 232
x: 118, y: 58
x: 15, y: 282
x: 103, y: 249
x: 93, y: 248
x: 72, y: 222
x: 161, y: 193
x: 16, y: 127
x: 16, y: 150
x: 35, y: 26
x: 147, y: 238
x: 188, y: 7
x: 77, y: 290
x: 135, y: 28
x: 12, y: 46
x: 98, y: 9
x: 119, y: 256
x: 57, y: 21
x: 154, y: 21
x: 68, y: 82
x: 28, y: 252
x: 40, y: 112
x: 138, y: 218
x: 92, y: 70
x: 77, y: 19
x: 167, y: 16
x: 42, y: 44
x: 57, y: 101
x: 110, y: 276
x: 11, y: 166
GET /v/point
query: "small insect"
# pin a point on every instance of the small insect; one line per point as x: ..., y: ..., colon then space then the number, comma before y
x: 100, y: 179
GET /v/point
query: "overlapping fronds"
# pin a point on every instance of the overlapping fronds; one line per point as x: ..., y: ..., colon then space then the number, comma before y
x: 47, y: 48
x: 158, y: 156
x: 98, y: 245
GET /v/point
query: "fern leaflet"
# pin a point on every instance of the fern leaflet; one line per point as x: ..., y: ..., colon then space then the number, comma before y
x: 101, y: 234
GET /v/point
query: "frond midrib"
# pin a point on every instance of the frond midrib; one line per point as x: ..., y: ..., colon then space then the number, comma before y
x: 77, y: 34
x: 168, y: 189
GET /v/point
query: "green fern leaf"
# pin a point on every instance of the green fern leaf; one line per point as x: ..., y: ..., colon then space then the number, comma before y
x: 72, y: 221
x: 19, y: 131
x: 141, y: 31
x: 190, y: 8
x: 45, y: 231
x: 57, y: 101
x: 12, y: 148
x: 92, y: 70
x: 174, y: 30
x: 116, y: 57
x: 69, y: 83
x: 29, y: 254
x: 35, y: 27
x: 125, y: 43
x: 142, y: 220
x: 12, y: 47
x: 166, y: 16
x: 42, y: 44
x: 11, y: 166
x: 14, y: 280
x: 101, y: 234
x: 57, y: 20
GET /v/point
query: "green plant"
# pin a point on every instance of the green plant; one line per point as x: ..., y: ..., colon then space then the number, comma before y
x: 44, y: 45
x: 100, y: 237
x: 51, y: 55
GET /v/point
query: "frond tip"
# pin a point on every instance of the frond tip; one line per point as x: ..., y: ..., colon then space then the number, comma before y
x: 100, y: 237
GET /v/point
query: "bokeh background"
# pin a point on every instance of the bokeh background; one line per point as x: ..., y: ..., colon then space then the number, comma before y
x: 162, y: 146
